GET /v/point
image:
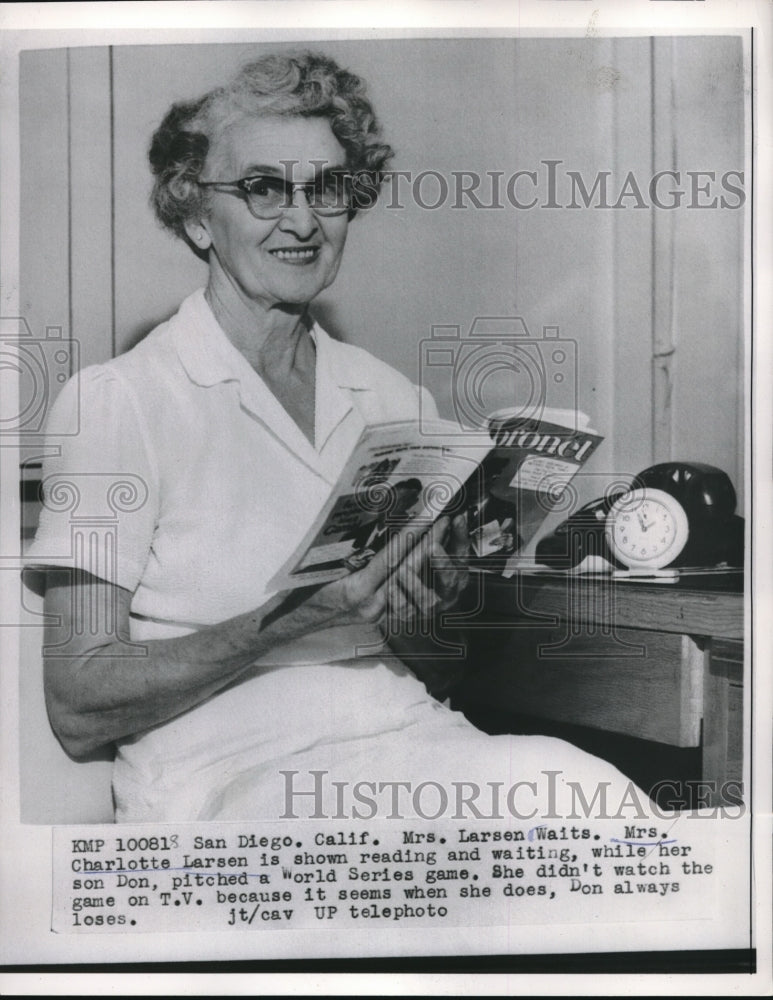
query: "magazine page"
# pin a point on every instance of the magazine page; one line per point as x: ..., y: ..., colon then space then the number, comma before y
x: 398, y: 473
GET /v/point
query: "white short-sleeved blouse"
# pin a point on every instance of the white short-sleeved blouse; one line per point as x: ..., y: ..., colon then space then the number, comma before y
x: 182, y: 479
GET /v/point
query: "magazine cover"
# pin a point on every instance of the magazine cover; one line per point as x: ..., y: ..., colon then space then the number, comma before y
x: 523, y: 478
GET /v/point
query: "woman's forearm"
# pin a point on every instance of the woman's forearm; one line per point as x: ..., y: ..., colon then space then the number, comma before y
x: 98, y: 692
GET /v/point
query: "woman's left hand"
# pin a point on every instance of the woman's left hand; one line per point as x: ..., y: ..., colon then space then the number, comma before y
x: 429, y: 580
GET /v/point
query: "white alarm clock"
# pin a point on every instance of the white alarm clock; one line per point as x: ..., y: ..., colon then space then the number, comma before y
x: 646, y: 528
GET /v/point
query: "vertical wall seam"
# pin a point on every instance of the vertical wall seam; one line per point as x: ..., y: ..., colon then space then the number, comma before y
x: 113, y: 339
x: 70, y: 331
x: 653, y: 259
x: 752, y: 673
x: 670, y: 362
x: 664, y: 291
x: 615, y: 97
x: 740, y: 466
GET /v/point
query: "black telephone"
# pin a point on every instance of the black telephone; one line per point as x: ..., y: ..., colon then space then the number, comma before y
x: 672, y: 514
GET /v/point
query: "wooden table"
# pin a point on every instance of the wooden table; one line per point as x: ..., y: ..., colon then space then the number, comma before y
x: 659, y: 661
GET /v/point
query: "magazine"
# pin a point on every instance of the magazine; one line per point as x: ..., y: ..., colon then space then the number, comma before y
x: 506, y: 478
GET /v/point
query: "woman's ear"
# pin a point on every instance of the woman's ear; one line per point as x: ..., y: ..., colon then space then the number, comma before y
x: 198, y: 234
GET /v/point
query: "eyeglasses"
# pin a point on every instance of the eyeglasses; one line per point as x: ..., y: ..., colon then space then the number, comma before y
x: 268, y: 197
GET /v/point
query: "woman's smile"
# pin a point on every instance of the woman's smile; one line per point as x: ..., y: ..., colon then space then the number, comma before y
x: 296, y: 255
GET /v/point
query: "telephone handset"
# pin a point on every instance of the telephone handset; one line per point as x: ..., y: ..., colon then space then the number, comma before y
x: 673, y: 514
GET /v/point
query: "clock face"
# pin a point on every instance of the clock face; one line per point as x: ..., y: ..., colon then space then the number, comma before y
x: 646, y: 528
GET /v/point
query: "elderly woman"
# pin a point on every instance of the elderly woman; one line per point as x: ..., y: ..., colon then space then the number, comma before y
x: 235, y: 417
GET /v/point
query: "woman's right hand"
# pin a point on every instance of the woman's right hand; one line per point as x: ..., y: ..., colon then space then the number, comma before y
x: 393, y: 584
